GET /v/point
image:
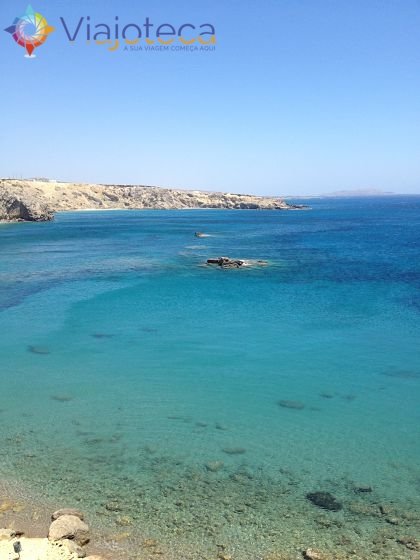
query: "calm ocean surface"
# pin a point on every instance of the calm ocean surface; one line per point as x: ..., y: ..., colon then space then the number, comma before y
x: 144, y: 387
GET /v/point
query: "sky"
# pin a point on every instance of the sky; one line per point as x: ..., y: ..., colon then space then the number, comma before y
x: 298, y: 97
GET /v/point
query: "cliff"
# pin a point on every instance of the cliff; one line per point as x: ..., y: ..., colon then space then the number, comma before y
x: 38, y: 200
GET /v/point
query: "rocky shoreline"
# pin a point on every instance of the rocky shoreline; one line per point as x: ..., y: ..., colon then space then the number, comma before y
x: 27, y: 200
x: 67, y: 538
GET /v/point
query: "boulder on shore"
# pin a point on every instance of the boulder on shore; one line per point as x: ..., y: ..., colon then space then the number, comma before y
x: 69, y: 527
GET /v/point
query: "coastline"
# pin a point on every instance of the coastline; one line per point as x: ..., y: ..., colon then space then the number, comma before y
x: 40, y: 200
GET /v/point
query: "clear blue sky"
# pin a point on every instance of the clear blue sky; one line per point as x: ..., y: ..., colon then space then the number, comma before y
x: 300, y: 96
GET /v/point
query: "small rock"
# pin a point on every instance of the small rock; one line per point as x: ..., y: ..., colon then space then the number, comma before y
x: 363, y: 489
x: 296, y: 405
x: 214, y: 466
x: 119, y: 537
x: 409, y: 542
x: 67, y: 511
x: 113, y: 506
x: 324, y: 500
x: 124, y: 520
x: 74, y: 548
x: 313, y: 554
x: 69, y: 527
x: 6, y: 534
x: 384, y: 509
x: 392, y: 520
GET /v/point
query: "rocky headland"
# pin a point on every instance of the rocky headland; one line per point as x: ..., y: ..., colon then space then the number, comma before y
x: 30, y: 200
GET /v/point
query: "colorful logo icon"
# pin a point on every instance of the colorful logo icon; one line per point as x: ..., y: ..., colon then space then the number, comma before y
x: 30, y: 31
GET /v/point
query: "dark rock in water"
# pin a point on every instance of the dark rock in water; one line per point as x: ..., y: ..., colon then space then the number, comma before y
x: 363, y: 489
x: 234, y: 450
x: 221, y: 427
x: 402, y: 373
x: 61, y: 398
x: 296, y: 405
x: 324, y: 500
x: 348, y: 397
x: 102, y: 335
x: 409, y: 542
x: 326, y: 395
x: 113, y: 506
x: 226, y: 262
x: 38, y: 350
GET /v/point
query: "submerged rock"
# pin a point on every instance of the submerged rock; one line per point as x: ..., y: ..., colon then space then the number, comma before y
x: 313, y: 554
x: 409, y: 542
x: 38, y: 350
x: 61, y: 398
x: 214, y: 466
x: 363, y: 489
x: 324, y: 500
x: 113, y: 506
x: 234, y: 450
x: 102, y: 335
x: 296, y: 405
x: 402, y: 373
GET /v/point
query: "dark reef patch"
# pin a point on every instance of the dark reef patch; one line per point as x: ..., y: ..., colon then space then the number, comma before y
x: 324, y: 500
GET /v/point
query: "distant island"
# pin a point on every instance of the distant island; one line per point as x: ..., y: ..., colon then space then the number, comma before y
x: 354, y: 193
x: 38, y: 200
x: 359, y: 192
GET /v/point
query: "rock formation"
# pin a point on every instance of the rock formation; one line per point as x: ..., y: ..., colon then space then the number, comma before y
x: 23, y: 205
x: 38, y: 200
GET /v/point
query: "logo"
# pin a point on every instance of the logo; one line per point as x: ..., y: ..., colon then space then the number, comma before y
x: 30, y: 31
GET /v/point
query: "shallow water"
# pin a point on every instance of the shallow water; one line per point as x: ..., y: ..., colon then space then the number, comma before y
x: 147, y: 386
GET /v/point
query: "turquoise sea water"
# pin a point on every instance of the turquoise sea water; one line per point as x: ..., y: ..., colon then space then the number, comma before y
x: 145, y: 387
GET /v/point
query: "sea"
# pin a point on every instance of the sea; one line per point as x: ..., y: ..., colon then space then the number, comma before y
x: 200, y: 413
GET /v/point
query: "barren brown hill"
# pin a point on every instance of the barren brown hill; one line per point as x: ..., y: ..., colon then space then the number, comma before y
x: 39, y: 200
